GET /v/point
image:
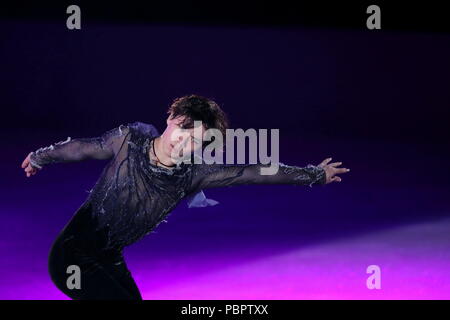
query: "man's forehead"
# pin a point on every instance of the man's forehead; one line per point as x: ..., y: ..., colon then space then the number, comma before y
x: 192, y: 131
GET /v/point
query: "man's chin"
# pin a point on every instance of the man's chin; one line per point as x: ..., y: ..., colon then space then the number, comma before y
x: 186, y: 159
x: 178, y: 160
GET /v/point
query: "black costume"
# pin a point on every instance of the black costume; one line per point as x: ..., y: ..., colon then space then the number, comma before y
x: 130, y: 199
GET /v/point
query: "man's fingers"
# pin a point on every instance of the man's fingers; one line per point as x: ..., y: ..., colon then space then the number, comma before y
x: 324, y: 162
x: 335, y: 164
x: 336, y: 179
x: 25, y: 162
x: 341, y: 170
x: 30, y: 170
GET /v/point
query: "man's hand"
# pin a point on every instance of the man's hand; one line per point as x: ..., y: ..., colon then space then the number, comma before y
x: 332, y: 169
x: 29, y: 170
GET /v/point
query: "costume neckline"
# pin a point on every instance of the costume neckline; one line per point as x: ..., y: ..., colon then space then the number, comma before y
x: 148, y: 141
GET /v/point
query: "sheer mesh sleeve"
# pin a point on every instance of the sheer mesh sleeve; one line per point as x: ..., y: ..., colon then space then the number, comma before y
x: 207, y: 176
x: 72, y: 150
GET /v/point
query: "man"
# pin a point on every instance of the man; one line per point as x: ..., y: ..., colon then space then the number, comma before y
x: 140, y: 185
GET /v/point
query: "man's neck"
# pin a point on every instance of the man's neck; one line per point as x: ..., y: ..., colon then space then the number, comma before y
x: 164, y: 159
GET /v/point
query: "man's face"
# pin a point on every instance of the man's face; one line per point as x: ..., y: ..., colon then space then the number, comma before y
x: 178, y: 142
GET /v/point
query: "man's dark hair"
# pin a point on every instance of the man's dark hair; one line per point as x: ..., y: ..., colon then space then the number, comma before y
x: 198, y: 108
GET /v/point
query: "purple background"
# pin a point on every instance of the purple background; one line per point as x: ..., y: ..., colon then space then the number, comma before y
x: 378, y: 101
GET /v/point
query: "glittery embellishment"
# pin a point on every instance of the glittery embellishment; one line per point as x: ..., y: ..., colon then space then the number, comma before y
x: 133, y: 196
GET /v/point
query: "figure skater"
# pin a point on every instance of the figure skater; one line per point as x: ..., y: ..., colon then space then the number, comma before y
x: 139, y: 186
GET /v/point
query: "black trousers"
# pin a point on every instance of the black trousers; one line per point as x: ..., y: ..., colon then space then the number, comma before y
x: 103, y: 275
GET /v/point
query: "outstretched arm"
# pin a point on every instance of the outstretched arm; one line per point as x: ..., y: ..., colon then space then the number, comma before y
x: 72, y: 150
x: 219, y: 175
